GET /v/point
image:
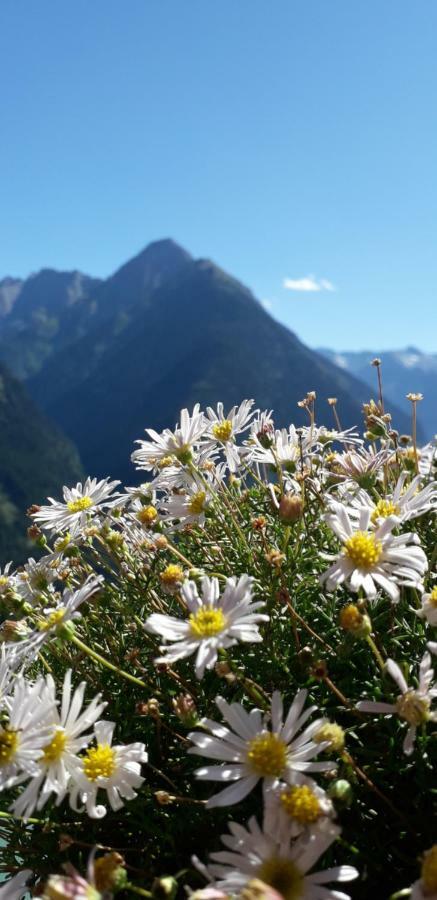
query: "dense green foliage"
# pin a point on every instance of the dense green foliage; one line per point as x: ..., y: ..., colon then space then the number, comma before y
x: 384, y: 799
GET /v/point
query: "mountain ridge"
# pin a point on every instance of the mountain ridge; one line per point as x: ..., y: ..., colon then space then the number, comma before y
x: 162, y: 332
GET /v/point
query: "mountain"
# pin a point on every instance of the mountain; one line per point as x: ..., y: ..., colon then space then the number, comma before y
x: 35, y: 461
x: 53, y: 311
x: 199, y: 335
x: 48, y: 310
x: 161, y: 333
x: 403, y: 372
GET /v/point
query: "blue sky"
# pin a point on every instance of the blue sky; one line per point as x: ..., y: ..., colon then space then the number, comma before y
x: 286, y: 140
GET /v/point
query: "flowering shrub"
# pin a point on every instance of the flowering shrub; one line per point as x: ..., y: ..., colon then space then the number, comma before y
x: 220, y: 681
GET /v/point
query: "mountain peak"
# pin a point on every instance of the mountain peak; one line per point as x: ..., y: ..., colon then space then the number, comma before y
x: 164, y: 255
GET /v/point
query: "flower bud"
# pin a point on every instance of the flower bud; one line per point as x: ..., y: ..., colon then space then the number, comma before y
x: 109, y: 873
x: 185, y: 709
x: 341, y: 791
x: 356, y: 622
x: 164, y: 888
x: 290, y: 508
x: 333, y: 735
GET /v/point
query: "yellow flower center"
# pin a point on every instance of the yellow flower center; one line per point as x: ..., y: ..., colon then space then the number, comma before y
x: 283, y: 876
x: 363, y: 550
x: 80, y: 504
x: 222, y: 430
x: 301, y: 804
x: 197, y: 503
x: 433, y: 596
x: 333, y: 734
x: 55, y: 618
x: 172, y: 574
x: 8, y: 746
x: 147, y: 515
x: 429, y: 871
x: 55, y: 749
x: 99, y: 762
x: 267, y: 755
x: 3, y: 580
x: 350, y: 617
x: 207, y: 622
x: 166, y: 461
x: 412, y: 708
x: 384, y: 509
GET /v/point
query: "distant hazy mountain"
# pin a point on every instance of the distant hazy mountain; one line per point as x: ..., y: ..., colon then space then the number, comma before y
x: 403, y: 372
x: 163, y: 332
x: 35, y: 461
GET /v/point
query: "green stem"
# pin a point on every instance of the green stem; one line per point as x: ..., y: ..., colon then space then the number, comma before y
x: 105, y: 662
x: 376, y: 653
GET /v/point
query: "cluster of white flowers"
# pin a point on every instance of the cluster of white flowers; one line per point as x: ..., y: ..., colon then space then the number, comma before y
x: 61, y: 750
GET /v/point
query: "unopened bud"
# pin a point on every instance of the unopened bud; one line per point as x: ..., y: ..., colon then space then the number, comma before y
x: 290, y: 508
x: 109, y: 873
x: 275, y: 558
x: 164, y: 888
x: 185, y: 709
x: 352, y: 619
x: 11, y: 630
x: 33, y: 509
x: 341, y: 791
x: 34, y: 533
x: 163, y: 798
x: 259, y: 523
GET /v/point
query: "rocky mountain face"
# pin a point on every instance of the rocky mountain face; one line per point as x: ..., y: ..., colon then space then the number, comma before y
x: 107, y: 358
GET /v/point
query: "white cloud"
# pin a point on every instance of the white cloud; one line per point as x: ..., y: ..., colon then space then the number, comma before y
x: 309, y: 284
x: 267, y: 304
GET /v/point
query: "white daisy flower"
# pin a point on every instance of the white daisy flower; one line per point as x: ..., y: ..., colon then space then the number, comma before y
x: 373, y: 559
x: 53, y: 619
x: 15, y: 888
x: 404, y: 503
x: 263, y: 426
x: 323, y: 435
x: 7, y: 579
x: 361, y: 465
x: 428, y: 458
x: 180, y: 443
x: 114, y: 769
x: 428, y: 609
x: 252, y: 748
x: 274, y: 858
x: 303, y: 805
x: 38, y: 576
x: 69, y: 735
x: 283, y: 449
x: 30, y: 712
x: 80, y: 504
x: 223, y: 429
x: 413, y: 705
x: 215, y: 621
x: 188, y: 507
